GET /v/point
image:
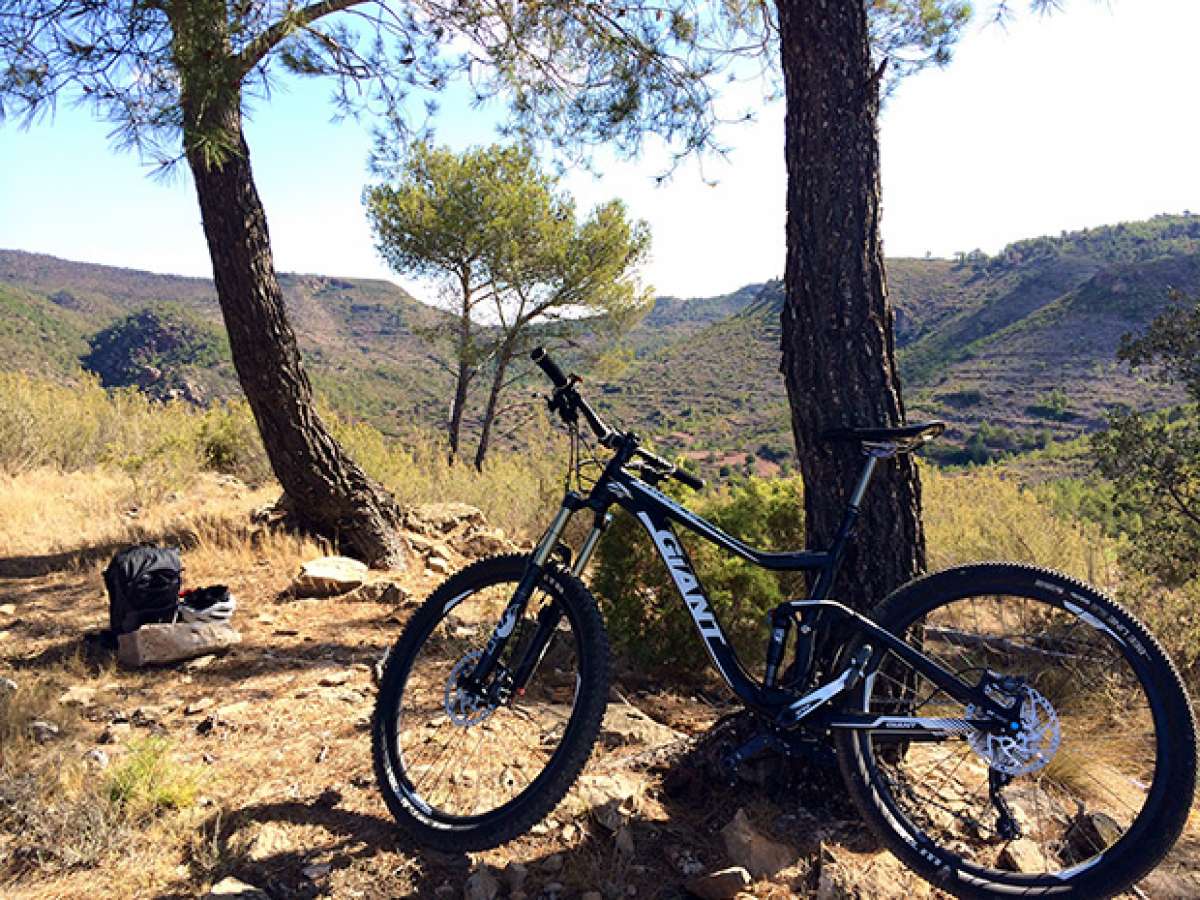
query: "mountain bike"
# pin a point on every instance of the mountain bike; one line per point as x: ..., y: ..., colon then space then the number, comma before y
x: 1004, y: 729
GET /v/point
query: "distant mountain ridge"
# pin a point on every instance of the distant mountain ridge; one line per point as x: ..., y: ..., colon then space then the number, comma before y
x: 1012, y: 349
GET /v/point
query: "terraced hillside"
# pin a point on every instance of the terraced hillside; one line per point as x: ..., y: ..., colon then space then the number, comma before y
x: 1014, y: 350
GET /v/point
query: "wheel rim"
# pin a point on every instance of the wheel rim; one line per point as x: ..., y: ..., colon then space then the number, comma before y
x: 1105, y: 755
x: 458, y: 763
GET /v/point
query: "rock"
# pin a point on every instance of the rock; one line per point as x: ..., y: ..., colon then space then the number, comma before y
x: 232, y: 888
x: 553, y: 890
x: 202, y: 662
x: 328, y: 576
x: 552, y: 863
x: 610, y: 799
x: 114, y: 732
x: 624, y: 841
x: 335, y: 679
x: 316, y: 871
x: 758, y: 854
x: 234, y: 713
x: 1091, y: 832
x: 722, y: 885
x: 438, y: 564
x: 79, y: 695
x: 270, y: 840
x: 626, y: 724
x: 7, y: 686
x: 482, y: 885
x: 570, y: 832
x: 514, y: 876
x: 172, y: 643
x: 486, y: 542
x: 4, y: 635
x: 446, y: 889
x: 684, y: 862
x: 1022, y: 856
x: 8, y: 609
x: 97, y: 758
x: 43, y: 732
x: 386, y: 592
x: 443, y: 518
x: 199, y: 706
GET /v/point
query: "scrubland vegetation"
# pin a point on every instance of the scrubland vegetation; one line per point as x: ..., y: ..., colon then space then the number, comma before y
x: 122, y: 467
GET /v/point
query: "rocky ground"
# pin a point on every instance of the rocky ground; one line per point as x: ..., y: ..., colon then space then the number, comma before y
x: 274, y: 734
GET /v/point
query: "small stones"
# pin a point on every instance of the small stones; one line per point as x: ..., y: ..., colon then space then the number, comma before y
x: 684, y: 861
x: 8, y: 609
x: 79, y: 695
x: 335, y: 679
x: 482, y: 885
x: 317, y: 871
x: 552, y: 863
x: 233, y: 889
x: 198, y: 706
x: 8, y: 686
x: 1022, y: 856
x: 43, y: 732
x: 438, y: 564
x: 201, y: 662
x: 514, y: 876
x: 721, y: 885
x: 97, y: 758
x: 115, y: 732
x: 758, y: 854
x: 624, y: 841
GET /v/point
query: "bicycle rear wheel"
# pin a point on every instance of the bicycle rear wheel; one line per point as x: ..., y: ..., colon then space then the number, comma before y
x: 1086, y: 799
x: 459, y: 773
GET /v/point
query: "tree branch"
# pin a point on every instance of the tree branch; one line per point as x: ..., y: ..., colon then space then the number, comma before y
x: 253, y: 53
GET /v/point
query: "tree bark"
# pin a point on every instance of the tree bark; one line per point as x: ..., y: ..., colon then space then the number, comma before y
x: 839, y: 360
x: 503, y: 358
x: 326, y: 490
x: 465, y: 373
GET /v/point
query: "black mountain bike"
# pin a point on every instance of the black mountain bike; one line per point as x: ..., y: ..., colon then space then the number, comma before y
x: 1005, y: 730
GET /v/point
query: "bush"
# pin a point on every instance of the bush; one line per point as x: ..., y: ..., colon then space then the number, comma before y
x: 647, y: 620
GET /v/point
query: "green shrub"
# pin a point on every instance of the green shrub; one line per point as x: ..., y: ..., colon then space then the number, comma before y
x: 148, y: 780
x: 647, y: 620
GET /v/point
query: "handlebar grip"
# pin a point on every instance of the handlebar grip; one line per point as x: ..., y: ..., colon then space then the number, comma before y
x: 684, y: 477
x: 549, y: 366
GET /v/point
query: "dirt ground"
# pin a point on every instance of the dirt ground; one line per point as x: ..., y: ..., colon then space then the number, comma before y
x: 275, y: 734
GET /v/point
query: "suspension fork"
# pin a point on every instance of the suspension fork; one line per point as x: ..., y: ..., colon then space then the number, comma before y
x: 551, y: 613
x: 525, y: 587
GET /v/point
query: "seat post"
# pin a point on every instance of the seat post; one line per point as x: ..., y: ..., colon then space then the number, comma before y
x: 874, y: 453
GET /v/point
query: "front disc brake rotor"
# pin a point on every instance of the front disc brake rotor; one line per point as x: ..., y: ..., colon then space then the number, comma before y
x: 466, y: 708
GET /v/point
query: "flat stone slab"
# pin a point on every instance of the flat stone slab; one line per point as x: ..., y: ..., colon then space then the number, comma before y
x: 329, y: 576
x: 157, y: 644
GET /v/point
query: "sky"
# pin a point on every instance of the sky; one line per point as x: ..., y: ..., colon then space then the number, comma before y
x: 1082, y: 118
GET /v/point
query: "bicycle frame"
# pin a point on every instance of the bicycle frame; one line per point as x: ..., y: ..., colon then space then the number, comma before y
x: 657, y: 513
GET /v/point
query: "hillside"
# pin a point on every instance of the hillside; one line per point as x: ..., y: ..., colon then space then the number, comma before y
x: 357, y: 335
x: 1014, y: 350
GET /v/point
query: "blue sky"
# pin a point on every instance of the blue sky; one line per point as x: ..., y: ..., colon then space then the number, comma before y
x: 1083, y: 118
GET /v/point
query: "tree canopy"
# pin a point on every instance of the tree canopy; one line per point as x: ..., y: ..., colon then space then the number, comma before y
x: 512, y: 258
x: 1154, y: 458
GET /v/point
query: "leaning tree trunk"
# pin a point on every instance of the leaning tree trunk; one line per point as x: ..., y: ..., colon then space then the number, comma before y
x: 503, y: 358
x: 326, y: 489
x: 839, y: 360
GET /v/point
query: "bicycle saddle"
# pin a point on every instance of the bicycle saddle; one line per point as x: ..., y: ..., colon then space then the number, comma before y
x: 906, y: 436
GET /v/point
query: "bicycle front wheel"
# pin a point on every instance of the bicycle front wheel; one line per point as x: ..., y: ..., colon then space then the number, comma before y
x: 1086, y: 799
x: 459, y: 772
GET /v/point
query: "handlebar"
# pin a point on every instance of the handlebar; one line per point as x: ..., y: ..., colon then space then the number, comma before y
x: 568, y: 403
x: 549, y: 366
